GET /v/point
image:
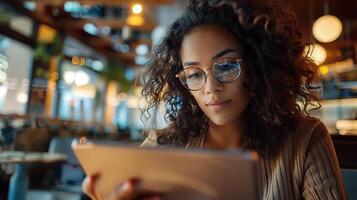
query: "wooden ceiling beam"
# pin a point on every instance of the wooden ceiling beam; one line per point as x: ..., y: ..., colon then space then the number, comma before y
x: 102, y: 49
x: 7, y: 31
x: 113, y: 23
x: 105, y: 2
x: 99, y: 42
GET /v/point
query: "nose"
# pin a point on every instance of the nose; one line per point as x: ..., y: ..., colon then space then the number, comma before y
x: 212, y: 85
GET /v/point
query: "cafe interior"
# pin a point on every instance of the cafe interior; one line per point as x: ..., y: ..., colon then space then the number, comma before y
x: 72, y: 69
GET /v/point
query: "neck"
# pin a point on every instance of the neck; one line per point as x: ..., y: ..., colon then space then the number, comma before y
x: 224, y: 136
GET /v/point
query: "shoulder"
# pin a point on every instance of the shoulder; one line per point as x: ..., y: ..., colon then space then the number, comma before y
x: 308, y: 133
x: 310, y: 128
x: 310, y: 137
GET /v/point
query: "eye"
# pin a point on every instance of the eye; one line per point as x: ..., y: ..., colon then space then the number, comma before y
x: 194, y: 75
x: 226, y: 67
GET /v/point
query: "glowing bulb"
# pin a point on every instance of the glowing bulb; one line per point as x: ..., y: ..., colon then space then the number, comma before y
x: 142, y: 49
x: 82, y: 61
x: 69, y: 77
x: 97, y: 65
x: 90, y: 29
x: 137, y: 8
x: 75, y: 60
x: 81, y: 79
x: 21, y: 97
x: 327, y: 28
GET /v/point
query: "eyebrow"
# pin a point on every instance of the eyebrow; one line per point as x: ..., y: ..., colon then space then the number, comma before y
x: 218, y: 55
x: 222, y: 53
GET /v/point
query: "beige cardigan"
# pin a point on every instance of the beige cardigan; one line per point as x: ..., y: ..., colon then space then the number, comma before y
x: 306, y: 168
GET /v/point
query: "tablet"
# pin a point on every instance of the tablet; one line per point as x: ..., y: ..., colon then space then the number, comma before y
x: 176, y: 173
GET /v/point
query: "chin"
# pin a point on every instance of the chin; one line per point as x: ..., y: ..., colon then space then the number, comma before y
x: 220, y: 121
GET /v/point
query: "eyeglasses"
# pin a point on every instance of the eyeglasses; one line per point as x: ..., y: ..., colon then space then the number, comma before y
x: 224, y: 70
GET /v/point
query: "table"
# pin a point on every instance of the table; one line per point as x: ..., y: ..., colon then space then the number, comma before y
x: 19, y: 182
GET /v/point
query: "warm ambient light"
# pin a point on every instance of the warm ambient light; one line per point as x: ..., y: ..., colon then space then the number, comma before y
x: 327, y: 28
x: 135, y: 20
x: 323, y: 69
x: 317, y: 53
x: 69, y: 77
x: 46, y: 34
x: 137, y: 8
x: 75, y: 60
x: 79, y: 78
x: 22, y: 97
x: 82, y: 78
x: 78, y: 60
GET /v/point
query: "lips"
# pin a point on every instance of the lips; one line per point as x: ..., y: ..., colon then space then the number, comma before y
x: 217, y: 103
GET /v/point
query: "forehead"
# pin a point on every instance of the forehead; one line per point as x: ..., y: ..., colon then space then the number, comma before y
x: 205, y: 41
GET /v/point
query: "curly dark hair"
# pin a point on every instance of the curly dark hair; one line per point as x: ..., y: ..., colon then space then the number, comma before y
x: 278, y: 79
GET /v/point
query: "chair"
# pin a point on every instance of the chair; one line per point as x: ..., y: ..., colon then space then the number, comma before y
x: 68, y: 187
x: 350, y: 180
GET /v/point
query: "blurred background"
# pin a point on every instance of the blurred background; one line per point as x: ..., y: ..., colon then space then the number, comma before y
x: 72, y: 68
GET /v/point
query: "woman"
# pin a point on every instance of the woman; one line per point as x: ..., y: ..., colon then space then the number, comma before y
x: 231, y: 73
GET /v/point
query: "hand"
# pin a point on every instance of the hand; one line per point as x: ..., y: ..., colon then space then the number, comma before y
x: 125, y: 191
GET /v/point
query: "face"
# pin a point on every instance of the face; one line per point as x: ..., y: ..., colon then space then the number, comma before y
x: 222, y: 102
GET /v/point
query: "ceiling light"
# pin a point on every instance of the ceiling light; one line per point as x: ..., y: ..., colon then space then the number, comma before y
x: 142, y: 49
x: 81, y: 79
x: 124, y: 48
x: 97, y: 65
x: 137, y: 8
x: 90, y: 29
x: 22, y: 97
x: 30, y: 5
x: 82, y: 61
x: 327, y: 28
x: 69, y: 77
x: 75, y: 60
x: 72, y: 6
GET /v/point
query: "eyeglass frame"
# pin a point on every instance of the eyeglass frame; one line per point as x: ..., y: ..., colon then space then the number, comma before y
x: 237, y: 59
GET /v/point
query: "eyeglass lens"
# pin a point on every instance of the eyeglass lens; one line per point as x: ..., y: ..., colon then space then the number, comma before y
x: 225, y: 71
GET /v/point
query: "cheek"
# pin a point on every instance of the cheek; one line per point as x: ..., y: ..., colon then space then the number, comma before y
x: 198, y: 97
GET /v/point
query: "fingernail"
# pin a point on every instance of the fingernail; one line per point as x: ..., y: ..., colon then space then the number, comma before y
x: 126, y: 185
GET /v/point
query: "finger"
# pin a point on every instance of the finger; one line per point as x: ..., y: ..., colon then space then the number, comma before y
x: 125, y: 191
x: 88, y: 186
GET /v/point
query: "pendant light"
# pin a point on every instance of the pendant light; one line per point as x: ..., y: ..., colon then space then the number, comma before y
x: 328, y: 27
